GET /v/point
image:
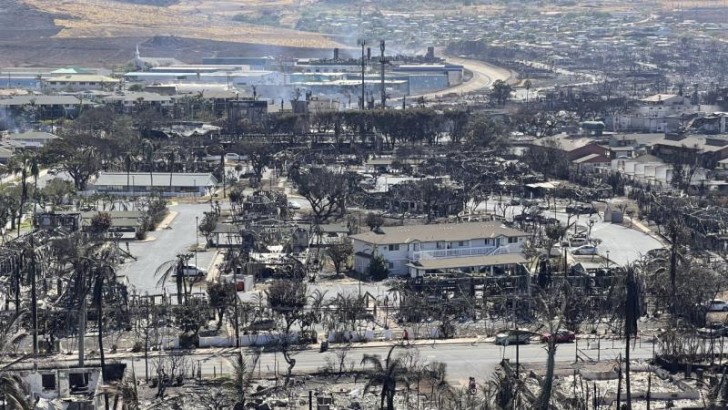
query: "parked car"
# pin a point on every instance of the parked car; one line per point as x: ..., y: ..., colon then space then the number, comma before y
x: 513, y: 337
x: 586, y: 250
x: 561, y: 336
x: 658, y: 253
x: 577, y: 242
x: 718, y: 305
x: 713, y: 331
x: 192, y: 270
x: 556, y: 250
x: 294, y: 205
x: 233, y: 157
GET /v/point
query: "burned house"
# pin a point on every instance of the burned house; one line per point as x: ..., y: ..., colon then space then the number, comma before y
x: 436, y: 198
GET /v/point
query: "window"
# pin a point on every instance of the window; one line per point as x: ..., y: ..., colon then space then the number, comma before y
x: 461, y: 243
x: 512, y: 240
x: 440, y: 245
x: 49, y: 381
x: 78, y: 381
x: 390, y: 265
x: 394, y: 247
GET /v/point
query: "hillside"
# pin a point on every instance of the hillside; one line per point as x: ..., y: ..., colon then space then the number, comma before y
x: 98, y: 32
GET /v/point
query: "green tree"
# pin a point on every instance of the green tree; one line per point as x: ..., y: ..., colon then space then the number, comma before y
x: 373, y: 221
x: 100, y: 224
x: 57, y: 190
x: 377, y: 269
x: 81, y: 161
x: 501, y: 92
x: 483, y: 132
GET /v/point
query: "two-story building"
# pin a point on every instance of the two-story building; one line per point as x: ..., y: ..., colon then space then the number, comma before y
x: 472, y: 247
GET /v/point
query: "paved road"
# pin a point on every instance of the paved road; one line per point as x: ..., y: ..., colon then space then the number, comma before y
x: 165, y: 246
x: 483, y: 74
x: 463, y: 360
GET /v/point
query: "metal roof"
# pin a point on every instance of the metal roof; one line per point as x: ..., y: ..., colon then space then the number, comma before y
x: 160, y: 179
x: 438, y: 232
x: 42, y: 100
x: 33, y: 136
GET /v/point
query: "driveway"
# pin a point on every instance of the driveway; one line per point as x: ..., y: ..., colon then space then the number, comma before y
x: 164, y: 245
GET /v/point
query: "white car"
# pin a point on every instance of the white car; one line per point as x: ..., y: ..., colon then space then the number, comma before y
x: 233, y: 157
x: 294, y: 205
x: 192, y: 271
x: 718, y: 306
x: 586, y: 250
x: 513, y: 337
x: 577, y: 242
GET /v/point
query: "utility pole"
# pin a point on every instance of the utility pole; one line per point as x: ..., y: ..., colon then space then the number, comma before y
x: 362, y: 43
x: 382, y: 61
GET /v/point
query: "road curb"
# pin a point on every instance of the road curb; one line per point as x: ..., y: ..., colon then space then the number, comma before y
x: 167, y: 221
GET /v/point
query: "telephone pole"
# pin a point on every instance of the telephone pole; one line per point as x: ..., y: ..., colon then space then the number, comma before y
x: 382, y: 61
x: 362, y: 43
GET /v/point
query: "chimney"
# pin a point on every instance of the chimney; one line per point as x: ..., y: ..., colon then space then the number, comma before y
x: 336, y: 53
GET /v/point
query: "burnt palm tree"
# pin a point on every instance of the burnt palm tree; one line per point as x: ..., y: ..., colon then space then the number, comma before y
x: 13, y: 391
x: 385, y: 373
x: 240, y: 380
x: 25, y: 165
x: 149, y: 152
x: 175, y: 269
x: 441, y: 390
x: 172, y: 158
x: 128, y: 160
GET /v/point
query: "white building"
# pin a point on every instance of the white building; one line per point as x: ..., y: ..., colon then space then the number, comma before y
x: 80, y: 82
x: 481, y: 247
x: 143, y: 183
x: 64, y: 388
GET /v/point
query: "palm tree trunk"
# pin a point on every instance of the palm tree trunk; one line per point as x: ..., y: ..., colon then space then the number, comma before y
x: 626, y: 373
x: 23, y: 198
x: 100, y: 325
x: 390, y: 400
x: 17, y: 288
x: 82, y: 333
x: 34, y: 299
x: 180, y: 285
x: 544, y: 398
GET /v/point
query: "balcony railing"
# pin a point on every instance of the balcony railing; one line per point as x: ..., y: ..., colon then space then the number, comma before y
x: 452, y: 253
